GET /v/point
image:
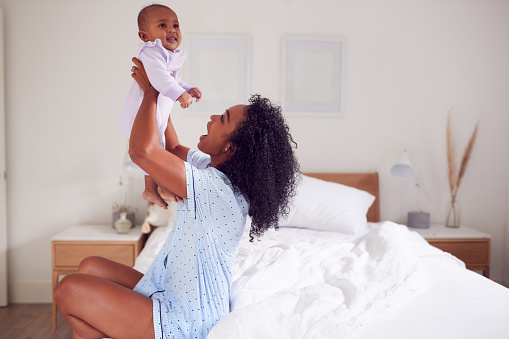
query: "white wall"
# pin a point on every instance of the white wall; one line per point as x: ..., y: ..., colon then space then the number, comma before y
x: 407, y: 63
x: 3, y: 182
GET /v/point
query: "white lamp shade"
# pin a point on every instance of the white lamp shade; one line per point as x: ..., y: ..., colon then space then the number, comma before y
x: 403, y: 169
x: 129, y: 166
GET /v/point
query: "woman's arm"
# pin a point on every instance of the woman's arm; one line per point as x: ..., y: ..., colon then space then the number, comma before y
x: 172, y: 142
x: 165, y: 168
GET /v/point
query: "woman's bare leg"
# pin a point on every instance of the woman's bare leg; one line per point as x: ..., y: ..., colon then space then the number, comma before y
x: 96, y: 307
x: 111, y: 270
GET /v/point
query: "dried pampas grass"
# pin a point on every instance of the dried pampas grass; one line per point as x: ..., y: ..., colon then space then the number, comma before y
x: 451, y: 161
x: 454, y: 175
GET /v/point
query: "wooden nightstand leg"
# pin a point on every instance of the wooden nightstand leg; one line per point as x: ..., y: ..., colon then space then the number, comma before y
x: 486, y: 272
x: 54, y: 305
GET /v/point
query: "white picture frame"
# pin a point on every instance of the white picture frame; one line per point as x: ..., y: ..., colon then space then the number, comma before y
x: 220, y: 65
x: 313, y: 76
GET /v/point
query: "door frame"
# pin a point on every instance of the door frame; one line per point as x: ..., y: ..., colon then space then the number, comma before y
x: 3, y: 176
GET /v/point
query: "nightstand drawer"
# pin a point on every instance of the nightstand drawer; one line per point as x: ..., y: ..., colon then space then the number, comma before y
x: 70, y: 246
x: 471, y: 246
x: 70, y: 254
x: 469, y: 251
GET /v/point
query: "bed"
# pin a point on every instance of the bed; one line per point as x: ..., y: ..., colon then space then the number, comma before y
x: 334, y: 270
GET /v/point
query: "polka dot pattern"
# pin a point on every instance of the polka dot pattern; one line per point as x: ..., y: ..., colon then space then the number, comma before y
x: 189, y: 280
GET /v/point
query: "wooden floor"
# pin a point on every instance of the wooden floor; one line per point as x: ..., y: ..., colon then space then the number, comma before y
x: 31, y: 321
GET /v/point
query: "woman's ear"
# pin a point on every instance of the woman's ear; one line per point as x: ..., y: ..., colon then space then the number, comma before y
x: 230, y: 149
x: 143, y: 36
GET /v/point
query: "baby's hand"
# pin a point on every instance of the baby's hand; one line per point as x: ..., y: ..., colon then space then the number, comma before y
x: 185, y: 100
x: 195, y: 93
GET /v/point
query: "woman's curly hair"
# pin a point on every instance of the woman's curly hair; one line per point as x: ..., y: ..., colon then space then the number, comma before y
x: 263, y: 167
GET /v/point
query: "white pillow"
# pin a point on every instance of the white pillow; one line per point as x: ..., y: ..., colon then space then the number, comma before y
x: 328, y: 206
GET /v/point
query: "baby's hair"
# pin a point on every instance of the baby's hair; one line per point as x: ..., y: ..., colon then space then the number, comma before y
x: 142, y: 16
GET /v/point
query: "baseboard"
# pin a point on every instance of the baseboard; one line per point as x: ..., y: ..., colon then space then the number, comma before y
x: 38, y: 292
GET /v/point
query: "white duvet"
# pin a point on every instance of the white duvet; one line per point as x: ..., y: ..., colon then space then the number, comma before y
x: 297, y: 283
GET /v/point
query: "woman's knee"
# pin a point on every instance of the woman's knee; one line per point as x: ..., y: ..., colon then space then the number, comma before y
x: 69, y: 282
x: 89, y: 265
x: 64, y: 288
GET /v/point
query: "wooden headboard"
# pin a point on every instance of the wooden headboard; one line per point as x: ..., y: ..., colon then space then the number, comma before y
x: 365, y: 181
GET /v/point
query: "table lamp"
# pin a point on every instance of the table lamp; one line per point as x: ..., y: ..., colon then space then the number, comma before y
x: 403, y: 169
x: 128, y: 167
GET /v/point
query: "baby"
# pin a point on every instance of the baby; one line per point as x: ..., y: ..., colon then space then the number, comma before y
x: 160, y: 31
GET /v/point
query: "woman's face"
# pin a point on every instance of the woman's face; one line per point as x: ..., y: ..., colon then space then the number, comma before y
x: 215, y: 142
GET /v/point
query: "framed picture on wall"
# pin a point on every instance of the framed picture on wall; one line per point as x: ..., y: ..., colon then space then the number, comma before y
x: 313, y: 76
x: 221, y: 67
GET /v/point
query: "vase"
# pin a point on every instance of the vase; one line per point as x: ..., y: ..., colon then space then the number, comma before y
x: 453, y: 214
x: 123, y: 225
x: 116, y: 215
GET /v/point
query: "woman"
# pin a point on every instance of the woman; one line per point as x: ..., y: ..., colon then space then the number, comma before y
x: 245, y: 165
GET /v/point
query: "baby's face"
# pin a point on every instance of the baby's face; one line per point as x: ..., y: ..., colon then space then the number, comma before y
x: 162, y: 23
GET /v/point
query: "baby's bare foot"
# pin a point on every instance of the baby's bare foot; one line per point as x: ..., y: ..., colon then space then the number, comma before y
x: 154, y: 197
x: 168, y: 195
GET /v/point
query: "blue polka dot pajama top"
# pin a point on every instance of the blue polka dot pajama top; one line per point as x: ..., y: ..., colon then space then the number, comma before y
x: 189, y: 280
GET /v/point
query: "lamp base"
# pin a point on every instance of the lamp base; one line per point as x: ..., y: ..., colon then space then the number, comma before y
x: 418, y: 219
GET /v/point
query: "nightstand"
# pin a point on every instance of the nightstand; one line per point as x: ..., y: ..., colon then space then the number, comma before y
x: 72, y: 245
x: 470, y: 246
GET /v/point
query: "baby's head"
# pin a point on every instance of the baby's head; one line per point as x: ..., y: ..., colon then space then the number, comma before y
x: 159, y: 22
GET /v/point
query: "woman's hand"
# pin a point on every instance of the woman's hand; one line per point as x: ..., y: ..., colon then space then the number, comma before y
x: 139, y: 74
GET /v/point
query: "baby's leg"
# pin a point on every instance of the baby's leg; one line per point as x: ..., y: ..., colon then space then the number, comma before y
x: 151, y: 195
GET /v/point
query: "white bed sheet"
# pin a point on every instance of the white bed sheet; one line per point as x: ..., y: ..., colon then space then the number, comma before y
x: 458, y: 303
x: 384, y: 282
x: 152, y: 246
